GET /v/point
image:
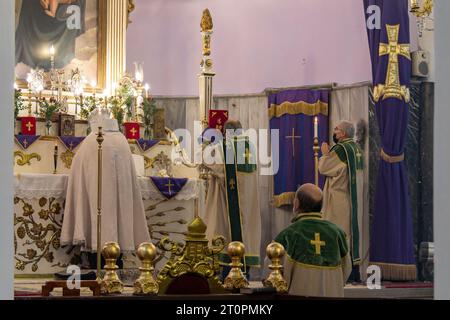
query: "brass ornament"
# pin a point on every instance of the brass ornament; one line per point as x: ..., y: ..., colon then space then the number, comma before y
x: 67, y: 157
x: 275, y: 252
x: 235, y: 278
x: 392, y: 87
x: 25, y: 159
x: 206, y: 24
x: 423, y: 11
x: 146, y: 284
x: 111, y: 284
x: 196, y: 257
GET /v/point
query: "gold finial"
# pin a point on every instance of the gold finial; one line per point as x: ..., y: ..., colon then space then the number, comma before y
x: 111, y: 283
x: 275, y: 252
x: 206, y: 23
x: 146, y: 284
x: 197, y: 228
x: 235, y: 278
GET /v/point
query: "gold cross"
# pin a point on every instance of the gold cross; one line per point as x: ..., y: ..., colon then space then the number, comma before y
x: 169, y: 185
x: 293, y: 137
x: 25, y: 143
x: 317, y: 243
x: 232, y: 184
x: 29, y: 125
x: 133, y: 131
x: 247, y: 155
x: 392, y: 87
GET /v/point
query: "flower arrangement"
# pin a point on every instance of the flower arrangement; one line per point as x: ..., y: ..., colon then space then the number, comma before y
x: 18, y: 103
x: 148, y: 107
x: 87, y: 107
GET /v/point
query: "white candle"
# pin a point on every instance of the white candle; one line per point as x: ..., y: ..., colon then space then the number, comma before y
x: 316, y: 127
x: 147, y: 87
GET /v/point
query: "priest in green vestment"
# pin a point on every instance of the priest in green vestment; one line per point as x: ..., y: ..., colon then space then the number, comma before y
x: 317, y: 261
x: 232, y: 198
x: 343, y: 192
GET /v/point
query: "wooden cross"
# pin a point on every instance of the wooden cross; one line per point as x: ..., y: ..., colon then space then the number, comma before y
x: 133, y: 131
x: 293, y: 137
x: 232, y: 184
x: 169, y: 185
x: 247, y: 155
x: 29, y: 125
x: 317, y: 243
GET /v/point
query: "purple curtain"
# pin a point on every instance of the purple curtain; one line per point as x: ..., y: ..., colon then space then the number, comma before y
x: 391, y: 230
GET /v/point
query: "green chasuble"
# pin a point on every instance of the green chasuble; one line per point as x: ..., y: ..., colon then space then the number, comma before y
x: 240, y: 158
x: 313, y: 242
x: 350, y: 153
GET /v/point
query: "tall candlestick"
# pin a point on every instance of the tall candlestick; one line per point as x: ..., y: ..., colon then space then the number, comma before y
x: 316, y: 127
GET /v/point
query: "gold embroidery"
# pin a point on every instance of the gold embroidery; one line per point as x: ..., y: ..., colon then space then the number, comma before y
x: 67, y: 158
x: 283, y: 199
x: 317, y: 243
x: 25, y: 159
x: 292, y: 108
x: 392, y: 87
x: 232, y: 184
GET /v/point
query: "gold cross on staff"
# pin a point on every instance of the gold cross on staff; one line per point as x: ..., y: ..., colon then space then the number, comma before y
x: 392, y: 87
x: 317, y: 243
x: 247, y: 155
x: 29, y: 125
x: 293, y: 137
x: 169, y: 185
x: 133, y: 131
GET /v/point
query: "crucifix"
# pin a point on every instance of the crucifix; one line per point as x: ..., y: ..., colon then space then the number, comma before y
x: 293, y: 137
x: 317, y: 243
x: 169, y: 185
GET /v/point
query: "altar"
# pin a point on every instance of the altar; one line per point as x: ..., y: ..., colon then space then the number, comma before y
x: 40, y: 191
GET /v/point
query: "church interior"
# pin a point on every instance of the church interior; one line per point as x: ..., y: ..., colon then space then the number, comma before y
x: 126, y: 113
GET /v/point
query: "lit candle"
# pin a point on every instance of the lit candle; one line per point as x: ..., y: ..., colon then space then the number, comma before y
x: 316, y: 127
x: 147, y: 88
x: 52, y: 51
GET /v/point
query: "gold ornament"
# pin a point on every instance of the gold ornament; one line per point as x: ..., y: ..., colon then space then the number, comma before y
x: 392, y: 87
x: 25, y: 159
x: 67, y: 157
x: 111, y: 283
x: 235, y: 278
x: 275, y: 252
x: 423, y: 11
x: 206, y: 24
x: 146, y: 284
x: 196, y: 258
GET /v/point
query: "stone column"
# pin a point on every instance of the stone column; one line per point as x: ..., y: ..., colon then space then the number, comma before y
x: 6, y: 146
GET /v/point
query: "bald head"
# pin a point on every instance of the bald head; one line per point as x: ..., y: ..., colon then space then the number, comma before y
x: 308, y: 198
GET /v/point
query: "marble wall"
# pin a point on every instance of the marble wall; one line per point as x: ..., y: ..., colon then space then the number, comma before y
x: 418, y: 157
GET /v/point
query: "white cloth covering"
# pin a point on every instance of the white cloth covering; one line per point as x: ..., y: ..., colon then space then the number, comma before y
x: 123, y: 215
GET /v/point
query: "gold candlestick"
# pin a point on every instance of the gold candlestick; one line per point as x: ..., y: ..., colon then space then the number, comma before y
x: 99, y: 202
x: 316, y: 149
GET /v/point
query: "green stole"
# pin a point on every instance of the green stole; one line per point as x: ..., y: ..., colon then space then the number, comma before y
x: 348, y: 152
x: 237, y: 163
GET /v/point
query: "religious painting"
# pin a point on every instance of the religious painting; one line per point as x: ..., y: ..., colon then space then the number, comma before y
x: 66, y: 125
x: 72, y: 27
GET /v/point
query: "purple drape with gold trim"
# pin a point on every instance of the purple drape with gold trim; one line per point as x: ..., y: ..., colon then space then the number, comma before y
x: 391, y: 232
x: 292, y: 113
